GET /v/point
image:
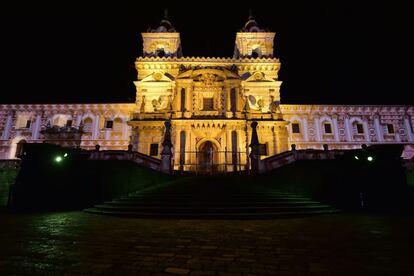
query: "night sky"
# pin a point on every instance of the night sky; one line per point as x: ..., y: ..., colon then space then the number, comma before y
x: 331, y: 53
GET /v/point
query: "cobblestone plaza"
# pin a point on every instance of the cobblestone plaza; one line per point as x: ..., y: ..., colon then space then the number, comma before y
x: 76, y: 243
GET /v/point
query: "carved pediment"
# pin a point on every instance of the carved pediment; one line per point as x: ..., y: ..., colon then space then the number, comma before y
x: 206, y: 74
x: 258, y: 77
x: 158, y: 76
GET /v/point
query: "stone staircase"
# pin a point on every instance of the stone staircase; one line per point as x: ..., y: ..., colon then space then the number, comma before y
x: 212, y: 197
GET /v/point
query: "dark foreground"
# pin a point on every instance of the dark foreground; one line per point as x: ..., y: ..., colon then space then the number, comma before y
x: 79, y: 243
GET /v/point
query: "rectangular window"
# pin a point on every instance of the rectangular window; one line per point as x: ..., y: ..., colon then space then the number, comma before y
x: 328, y: 128
x: 208, y: 104
x: 182, y: 147
x: 233, y: 99
x: 234, y: 147
x: 28, y: 123
x: 182, y: 106
x: 263, y: 149
x: 153, y: 149
x: 109, y: 124
x: 390, y: 128
x: 360, y: 128
x: 69, y: 123
x: 295, y: 128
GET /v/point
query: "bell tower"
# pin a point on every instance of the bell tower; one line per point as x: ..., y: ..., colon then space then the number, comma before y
x: 253, y: 42
x: 163, y: 41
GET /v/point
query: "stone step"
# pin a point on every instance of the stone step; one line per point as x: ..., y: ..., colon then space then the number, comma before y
x: 220, y: 195
x: 197, y: 203
x: 209, y: 209
x: 216, y: 199
x: 265, y: 215
x: 165, y: 192
x: 213, y: 199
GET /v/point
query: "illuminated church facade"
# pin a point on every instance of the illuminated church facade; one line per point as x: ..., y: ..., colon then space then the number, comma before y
x: 211, y: 103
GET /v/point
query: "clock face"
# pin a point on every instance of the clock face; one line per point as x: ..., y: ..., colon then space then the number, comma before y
x: 157, y: 76
x: 252, y: 99
x: 258, y: 76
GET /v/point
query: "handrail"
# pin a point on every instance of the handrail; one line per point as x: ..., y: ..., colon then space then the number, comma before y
x: 137, y: 157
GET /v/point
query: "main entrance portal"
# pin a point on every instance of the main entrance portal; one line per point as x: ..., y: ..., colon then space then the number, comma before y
x: 208, y: 157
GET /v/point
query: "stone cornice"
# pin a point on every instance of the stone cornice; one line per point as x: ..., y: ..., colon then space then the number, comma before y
x: 127, y: 107
x: 207, y: 60
x: 297, y: 109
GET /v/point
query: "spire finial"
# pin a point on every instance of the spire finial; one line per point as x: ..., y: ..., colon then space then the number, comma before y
x: 250, y: 14
x: 166, y: 14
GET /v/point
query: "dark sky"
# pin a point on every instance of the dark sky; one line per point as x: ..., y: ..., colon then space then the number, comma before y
x: 331, y: 53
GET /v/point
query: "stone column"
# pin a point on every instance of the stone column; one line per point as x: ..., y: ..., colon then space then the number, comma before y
x: 166, y: 154
x: 96, y: 129
x: 78, y: 120
x: 227, y: 103
x: 305, y: 130
x: 336, y: 129
x: 107, y: 134
x: 317, y: 129
x: 275, y: 136
x: 408, y: 129
x: 134, y: 138
x: 36, y: 128
x: 282, y: 138
x: 176, y: 102
x: 366, y: 132
x: 228, y: 98
x: 7, y: 127
x: 254, y: 154
x: 378, y: 130
x: 188, y: 101
x: 177, y: 149
x: 125, y: 132
x: 348, y: 130
x: 397, y: 136
x: 187, y: 147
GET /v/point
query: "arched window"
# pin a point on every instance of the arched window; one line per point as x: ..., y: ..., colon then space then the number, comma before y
x: 61, y: 120
x: 390, y: 128
x: 256, y: 53
x: 160, y: 52
x: 233, y: 100
x: 20, y: 148
x: 327, y: 128
x: 182, y: 106
x: 24, y: 121
x: 234, y: 147
x: 117, y: 125
x: 87, y: 125
x: 295, y: 127
x: 182, y: 147
x: 358, y: 128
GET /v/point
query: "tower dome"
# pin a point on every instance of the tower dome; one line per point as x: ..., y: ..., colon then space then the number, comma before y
x: 253, y: 41
x: 251, y: 25
x: 165, y: 26
x: 162, y: 41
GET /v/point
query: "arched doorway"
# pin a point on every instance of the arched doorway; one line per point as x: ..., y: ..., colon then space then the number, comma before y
x: 208, y: 157
x: 19, y: 148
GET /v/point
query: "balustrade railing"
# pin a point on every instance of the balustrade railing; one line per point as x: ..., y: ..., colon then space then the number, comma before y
x: 210, y: 161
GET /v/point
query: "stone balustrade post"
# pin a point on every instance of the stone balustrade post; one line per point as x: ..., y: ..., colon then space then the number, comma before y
x: 166, y: 153
x: 254, y: 154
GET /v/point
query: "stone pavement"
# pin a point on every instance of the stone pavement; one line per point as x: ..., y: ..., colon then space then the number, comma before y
x: 76, y: 243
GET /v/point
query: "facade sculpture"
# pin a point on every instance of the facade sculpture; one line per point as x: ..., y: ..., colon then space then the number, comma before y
x: 210, y: 104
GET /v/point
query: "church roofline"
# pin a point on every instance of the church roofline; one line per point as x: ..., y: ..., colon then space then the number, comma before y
x: 133, y: 105
x: 40, y: 106
x: 209, y: 59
